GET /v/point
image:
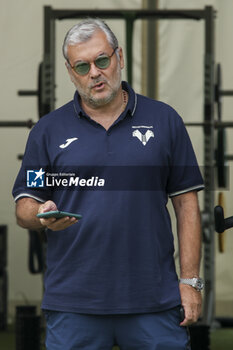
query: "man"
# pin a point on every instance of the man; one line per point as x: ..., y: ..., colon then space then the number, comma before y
x: 111, y: 277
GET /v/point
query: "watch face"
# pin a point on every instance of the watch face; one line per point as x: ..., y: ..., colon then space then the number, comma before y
x: 199, y: 284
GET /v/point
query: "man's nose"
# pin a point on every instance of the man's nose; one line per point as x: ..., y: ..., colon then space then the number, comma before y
x: 94, y: 71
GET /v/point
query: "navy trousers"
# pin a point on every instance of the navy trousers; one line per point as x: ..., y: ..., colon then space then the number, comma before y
x: 152, y: 331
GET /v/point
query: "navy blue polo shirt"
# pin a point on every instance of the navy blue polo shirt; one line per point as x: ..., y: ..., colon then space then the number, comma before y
x: 119, y: 257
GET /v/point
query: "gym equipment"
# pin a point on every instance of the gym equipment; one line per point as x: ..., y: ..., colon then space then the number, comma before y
x: 222, y: 235
x: 17, y: 124
x: 3, y: 277
x: 219, y: 92
x: 199, y: 337
x: 221, y: 224
x: 42, y: 108
x: 3, y: 300
x: 207, y: 15
x: 35, y: 255
x: 3, y: 247
x: 212, y: 94
x: 220, y: 154
x: 221, y: 157
x: 27, y: 328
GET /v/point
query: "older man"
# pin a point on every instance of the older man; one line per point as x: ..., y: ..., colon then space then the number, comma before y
x: 111, y: 277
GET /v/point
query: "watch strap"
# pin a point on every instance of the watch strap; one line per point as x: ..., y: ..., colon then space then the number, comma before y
x: 195, y: 282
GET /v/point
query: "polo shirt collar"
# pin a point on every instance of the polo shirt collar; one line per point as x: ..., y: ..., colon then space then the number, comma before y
x: 130, y: 108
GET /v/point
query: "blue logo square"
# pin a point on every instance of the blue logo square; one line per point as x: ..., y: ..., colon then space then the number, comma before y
x: 35, y: 178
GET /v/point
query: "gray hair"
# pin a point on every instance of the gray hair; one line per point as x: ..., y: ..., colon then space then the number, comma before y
x: 83, y: 31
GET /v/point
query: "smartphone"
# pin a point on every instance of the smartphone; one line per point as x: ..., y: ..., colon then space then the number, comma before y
x: 58, y: 214
x: 182, y: 314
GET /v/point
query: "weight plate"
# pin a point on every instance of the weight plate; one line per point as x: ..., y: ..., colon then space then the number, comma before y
x: 220, y: 158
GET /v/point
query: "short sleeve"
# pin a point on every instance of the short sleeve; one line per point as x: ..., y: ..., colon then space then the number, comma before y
x: 34, y: 164
x: 184, y: 175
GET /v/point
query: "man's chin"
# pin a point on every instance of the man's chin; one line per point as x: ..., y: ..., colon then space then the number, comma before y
x: 101, y: 101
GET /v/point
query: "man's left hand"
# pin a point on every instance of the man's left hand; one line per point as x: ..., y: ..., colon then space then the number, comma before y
x: 191, y: 301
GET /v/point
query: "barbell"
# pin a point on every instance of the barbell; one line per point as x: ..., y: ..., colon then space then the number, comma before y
x: 17, y: 123
x: 216, y: 124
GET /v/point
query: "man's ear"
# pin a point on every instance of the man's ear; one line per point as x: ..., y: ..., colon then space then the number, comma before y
x: 122, y: 63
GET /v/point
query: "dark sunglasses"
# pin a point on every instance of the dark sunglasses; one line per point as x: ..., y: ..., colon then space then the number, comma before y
x: 102, y: 62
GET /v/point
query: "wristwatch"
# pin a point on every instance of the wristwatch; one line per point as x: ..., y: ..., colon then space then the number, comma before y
x: 195, y: 282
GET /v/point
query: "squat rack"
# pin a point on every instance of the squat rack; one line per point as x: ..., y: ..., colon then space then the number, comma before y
x: 129, y: 16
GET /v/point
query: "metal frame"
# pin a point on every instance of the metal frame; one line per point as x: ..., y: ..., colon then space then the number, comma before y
x: 207, y: 14
x: 209, y: 159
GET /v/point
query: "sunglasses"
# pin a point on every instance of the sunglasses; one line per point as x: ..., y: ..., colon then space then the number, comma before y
x: 101, y: 62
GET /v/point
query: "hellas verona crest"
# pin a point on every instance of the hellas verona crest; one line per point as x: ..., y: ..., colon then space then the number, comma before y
x: 143, y: 137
